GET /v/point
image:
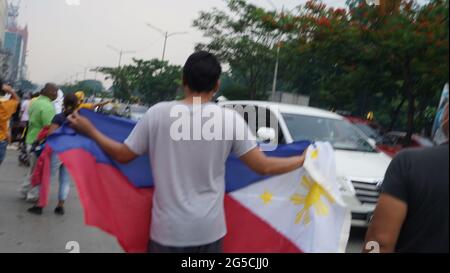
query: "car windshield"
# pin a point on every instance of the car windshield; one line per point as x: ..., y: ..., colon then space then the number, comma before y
x: 341, y: 134
x: 370, y: 132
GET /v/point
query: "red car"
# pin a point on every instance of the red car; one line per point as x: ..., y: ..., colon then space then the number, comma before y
x: 394, y: 141
x: 390, y: 143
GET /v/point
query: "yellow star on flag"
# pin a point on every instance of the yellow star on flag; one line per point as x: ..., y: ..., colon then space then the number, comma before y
x: 266, y: 197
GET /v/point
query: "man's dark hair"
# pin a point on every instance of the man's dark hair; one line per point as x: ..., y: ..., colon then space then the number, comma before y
x: 70, y: 103
x: 50, y: 90
x: 201, y: 72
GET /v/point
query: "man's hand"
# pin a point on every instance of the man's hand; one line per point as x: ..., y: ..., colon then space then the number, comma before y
x: 101, y: 104
x: 118, y: 151
x: 264, y: 165
x: 81, y: 124
x: 9, y: 90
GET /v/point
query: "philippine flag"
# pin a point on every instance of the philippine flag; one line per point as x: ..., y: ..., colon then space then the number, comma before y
x: 302, y: 211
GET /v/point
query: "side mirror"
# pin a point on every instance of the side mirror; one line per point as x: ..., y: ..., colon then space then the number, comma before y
x: 372, y: 142
x: 266, y: 134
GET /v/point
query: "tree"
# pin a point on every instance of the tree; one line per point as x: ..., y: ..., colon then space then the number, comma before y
x: 89, y: 87
x: 151, y: 81
x: 26, y: 86
x: 366, y: 57
x: 238, y: 38
x: 392, y: 59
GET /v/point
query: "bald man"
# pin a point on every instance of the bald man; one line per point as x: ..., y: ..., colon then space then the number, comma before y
x: 41, y: 113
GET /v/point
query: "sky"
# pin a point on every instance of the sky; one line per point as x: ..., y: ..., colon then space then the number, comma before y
x: 67, y: 36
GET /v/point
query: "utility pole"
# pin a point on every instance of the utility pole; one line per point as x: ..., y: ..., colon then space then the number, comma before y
x: 166, y: 36
x: 165, y: 45
x: 275, y: 74
x: 121, y: 52
x: 277, y: 62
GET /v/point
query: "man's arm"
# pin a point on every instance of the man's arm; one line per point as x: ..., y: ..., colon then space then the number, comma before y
x: 52, y: 129
x: 264, y: 165
x: 9, y: 90
x: 116, y: 150
x: 101, y: 104
x: 387, y: 222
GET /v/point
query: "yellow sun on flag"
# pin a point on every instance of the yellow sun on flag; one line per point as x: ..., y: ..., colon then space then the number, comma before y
x: 312, y: 200
x: 266, y: 197
x: 315, y: 154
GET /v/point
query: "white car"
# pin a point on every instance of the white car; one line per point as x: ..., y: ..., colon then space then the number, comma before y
x: 360, y: 166
x: 137, y: 112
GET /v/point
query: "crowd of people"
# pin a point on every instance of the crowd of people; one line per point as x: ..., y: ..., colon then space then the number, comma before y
x: 188, y: 212
x: 28, y: 119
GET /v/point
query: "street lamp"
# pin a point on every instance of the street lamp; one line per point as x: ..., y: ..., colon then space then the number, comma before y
x: 121, y: 52
x: 166, y: 35
x: 275, y: 74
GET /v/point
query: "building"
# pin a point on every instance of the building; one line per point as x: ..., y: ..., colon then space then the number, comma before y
x: 14, y: 48
x: 3, y: 19
x: 4, y: 55
x: 16, y: 40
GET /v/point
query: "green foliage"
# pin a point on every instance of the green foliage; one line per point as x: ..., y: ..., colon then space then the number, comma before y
x: 89, y: 87
x: 240, y: 40
x: 26, y: 86
x: 150, y: 81
x: 393, y: 61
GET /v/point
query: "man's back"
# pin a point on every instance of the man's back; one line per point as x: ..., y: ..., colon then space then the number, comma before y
x: 41, y: 112
x: 188, y: 173
x: 420, y: 178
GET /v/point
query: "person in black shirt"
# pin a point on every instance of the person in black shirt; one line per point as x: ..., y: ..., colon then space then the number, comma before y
x: 413, y: 210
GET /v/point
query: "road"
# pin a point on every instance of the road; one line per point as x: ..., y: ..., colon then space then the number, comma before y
x: 21, y: 232
x: 49, y: 233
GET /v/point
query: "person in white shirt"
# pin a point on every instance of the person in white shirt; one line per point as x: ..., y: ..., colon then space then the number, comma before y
x: 25, y: 105
x: 59, y: 102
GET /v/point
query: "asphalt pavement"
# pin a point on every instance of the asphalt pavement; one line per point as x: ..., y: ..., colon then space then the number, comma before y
x: 21, y: 232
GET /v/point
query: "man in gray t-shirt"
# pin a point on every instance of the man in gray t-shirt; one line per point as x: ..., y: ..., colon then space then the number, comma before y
x: 188, y: 150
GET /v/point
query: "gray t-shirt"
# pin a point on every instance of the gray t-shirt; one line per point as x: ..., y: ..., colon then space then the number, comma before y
x: 189, y: 172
